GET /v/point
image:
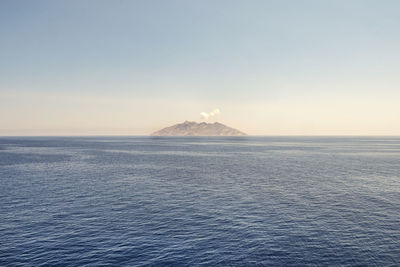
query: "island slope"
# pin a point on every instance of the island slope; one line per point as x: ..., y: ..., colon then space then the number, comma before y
x: 191, y: 128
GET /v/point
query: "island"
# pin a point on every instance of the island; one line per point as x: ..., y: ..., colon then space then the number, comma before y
x: 191, y: 128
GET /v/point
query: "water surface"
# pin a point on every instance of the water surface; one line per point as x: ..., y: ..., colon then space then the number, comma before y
x: 191, y: 201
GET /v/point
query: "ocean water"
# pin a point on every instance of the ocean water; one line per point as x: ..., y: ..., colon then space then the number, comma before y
x: 227, y: 201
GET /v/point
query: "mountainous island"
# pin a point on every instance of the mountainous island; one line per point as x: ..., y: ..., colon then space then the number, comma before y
x: 191, y: 128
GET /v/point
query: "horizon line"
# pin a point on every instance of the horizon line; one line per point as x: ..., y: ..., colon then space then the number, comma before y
x: 242, y: 136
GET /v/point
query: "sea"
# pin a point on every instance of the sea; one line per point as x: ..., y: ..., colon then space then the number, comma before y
x: 199, y: 201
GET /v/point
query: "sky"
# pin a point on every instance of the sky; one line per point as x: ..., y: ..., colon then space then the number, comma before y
x: 283, y: 67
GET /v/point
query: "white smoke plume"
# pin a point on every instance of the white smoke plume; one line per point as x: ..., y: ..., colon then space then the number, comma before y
x: 206, y: 116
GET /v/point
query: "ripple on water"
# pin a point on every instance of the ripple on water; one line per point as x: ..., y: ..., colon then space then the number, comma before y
x: 200, y: 201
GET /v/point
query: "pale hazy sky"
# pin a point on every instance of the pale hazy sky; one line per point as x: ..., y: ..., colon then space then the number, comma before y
x: 131, y: 67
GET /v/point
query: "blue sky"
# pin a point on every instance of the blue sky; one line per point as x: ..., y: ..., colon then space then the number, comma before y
x: 271, y: 67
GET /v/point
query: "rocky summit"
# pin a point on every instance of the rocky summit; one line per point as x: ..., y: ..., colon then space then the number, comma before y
x: 191, y: 128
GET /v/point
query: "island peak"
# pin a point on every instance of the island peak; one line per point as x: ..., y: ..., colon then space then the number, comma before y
x: 191, y: 128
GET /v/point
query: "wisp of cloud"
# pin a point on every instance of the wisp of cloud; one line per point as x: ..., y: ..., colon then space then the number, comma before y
x: 206, y: 116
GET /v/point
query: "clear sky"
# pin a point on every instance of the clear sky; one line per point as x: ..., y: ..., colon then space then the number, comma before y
x: 131, y: 67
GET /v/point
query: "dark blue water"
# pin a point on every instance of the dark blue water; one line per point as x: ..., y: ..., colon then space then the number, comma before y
x: 192, y: 201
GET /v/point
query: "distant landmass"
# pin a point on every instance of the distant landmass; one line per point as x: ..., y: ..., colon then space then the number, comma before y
x: 191, y: 128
